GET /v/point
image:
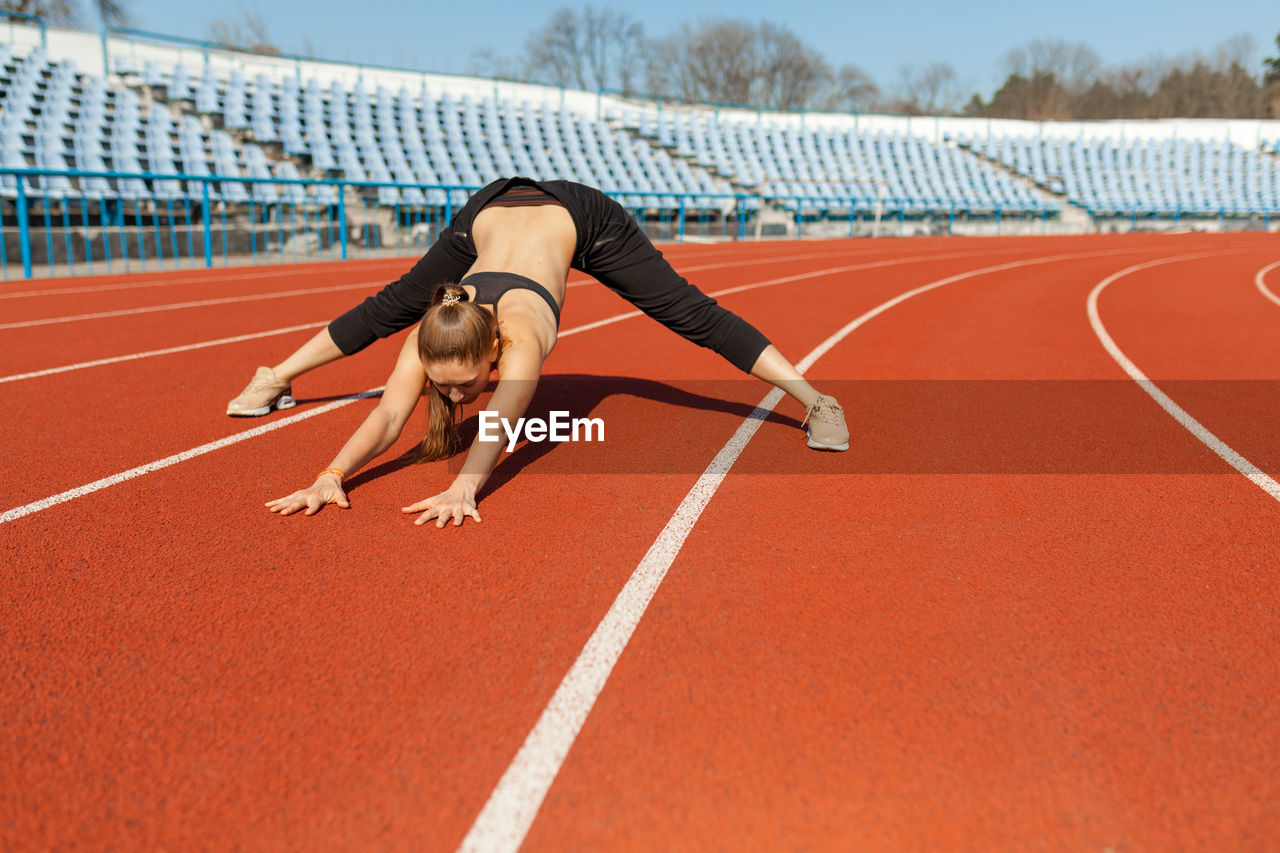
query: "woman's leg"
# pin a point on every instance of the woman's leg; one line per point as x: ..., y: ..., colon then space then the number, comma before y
x: 635, y: 269
x: 395, y: 307
x: 823, y: 415
x: 272, y: 387
x: 773, y: 368
x: 318, y: 351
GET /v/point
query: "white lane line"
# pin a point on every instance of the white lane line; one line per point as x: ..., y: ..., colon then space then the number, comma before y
x: 208, y: 279
x: 199, y: 303
x: 167, y: 351
x: 505, y: 819
x: 1258, y: 477
x: 1259, y: 280
x: 115, y: 479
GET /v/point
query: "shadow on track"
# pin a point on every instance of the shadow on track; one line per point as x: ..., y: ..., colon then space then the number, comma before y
x: 582, y: 395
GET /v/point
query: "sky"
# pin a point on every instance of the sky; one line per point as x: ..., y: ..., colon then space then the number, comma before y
x: 879, y: 37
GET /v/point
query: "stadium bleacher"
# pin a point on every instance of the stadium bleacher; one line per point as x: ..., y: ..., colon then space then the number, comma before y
x: 825, y: 166
x: 1159, y: 176
x: 436, y: 144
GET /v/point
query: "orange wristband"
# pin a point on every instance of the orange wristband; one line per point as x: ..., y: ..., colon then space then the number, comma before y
x: 338, y: 471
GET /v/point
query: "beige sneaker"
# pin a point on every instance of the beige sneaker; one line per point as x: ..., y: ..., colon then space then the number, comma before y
x: 826, y: 429
x: 263, y: 392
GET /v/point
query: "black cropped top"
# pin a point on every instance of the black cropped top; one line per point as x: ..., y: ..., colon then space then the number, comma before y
x: 491, y: 285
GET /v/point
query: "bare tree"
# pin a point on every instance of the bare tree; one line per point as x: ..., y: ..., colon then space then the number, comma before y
x: 850, y: 90
x: 789, y: 74
x: 60, y: 12
x: 735, y: 61
x: 932, y: 90
x: 1045, y: 79
x: 245, y: 28
x: 486, y: 62
x: 1271, y: 66
x: 711, y: 62
x: 1075, y: 66
x: 627, y: 35
x: 113, y: 12
x: 1271, y: 79
x: 555, y: 52
x: 588, y: 49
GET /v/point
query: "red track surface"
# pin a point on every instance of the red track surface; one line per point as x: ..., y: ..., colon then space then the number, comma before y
x: 849, y: 652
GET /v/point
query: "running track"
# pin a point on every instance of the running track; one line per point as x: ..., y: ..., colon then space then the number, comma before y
x: 1029, y: 608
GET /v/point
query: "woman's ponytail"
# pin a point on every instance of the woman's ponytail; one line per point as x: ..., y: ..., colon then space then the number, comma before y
x: 453, y: 329
x: 442, y: 432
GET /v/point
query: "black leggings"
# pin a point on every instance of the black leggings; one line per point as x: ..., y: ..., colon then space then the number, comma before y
x: 618, y: 254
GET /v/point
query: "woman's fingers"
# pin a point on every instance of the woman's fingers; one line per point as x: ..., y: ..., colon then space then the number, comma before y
x: 284, y: 505
x: 311, y: 500
x: 443, y: 513
x: 420, y: 505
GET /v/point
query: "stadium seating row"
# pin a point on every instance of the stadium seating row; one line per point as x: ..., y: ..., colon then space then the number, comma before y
x: 910, y: 172
x: 1163, y: 176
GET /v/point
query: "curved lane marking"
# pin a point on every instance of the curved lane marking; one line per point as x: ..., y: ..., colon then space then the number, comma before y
x: 1255, y: 475
x: 1260, y: 281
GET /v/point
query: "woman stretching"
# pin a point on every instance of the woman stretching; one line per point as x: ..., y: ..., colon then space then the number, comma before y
x: 510, y: 249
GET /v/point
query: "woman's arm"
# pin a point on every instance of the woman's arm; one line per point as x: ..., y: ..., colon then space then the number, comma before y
x: 518, y: 371
x: 378, y: 432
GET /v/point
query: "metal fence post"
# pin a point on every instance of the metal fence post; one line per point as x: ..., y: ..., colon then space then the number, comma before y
x: 24, y: 230
x: 681, y: 233
x: 342, y: 219
x: 208, y: 231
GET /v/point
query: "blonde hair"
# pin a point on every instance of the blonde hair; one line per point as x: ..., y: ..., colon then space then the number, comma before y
x: 453, y: 329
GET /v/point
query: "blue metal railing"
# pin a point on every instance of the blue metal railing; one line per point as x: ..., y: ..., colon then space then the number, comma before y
x: 255, y: 210
x: 36, y: 19
x: 189, y: 220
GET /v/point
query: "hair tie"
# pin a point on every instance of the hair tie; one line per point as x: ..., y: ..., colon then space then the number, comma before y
x: 450, y: 298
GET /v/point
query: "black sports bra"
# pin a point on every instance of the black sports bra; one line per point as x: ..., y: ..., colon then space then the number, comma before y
x: 491, y: 285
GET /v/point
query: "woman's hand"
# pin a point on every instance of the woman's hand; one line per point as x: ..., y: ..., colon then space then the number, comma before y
x: 457, y: 503
x: 325, y: 490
